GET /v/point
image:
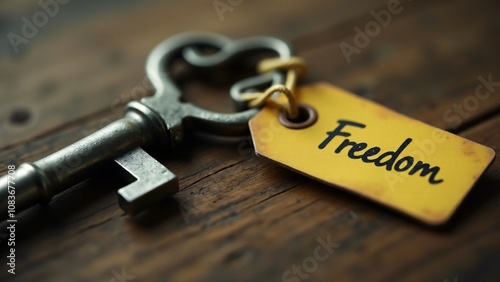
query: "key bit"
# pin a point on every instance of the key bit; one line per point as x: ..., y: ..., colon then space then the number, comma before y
x: 153, y: 181
x: 155, y: 122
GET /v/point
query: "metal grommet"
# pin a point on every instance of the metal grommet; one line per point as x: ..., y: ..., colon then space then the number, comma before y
x: 307, y: 117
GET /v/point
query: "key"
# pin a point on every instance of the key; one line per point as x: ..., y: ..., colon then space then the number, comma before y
x: 157, y: 121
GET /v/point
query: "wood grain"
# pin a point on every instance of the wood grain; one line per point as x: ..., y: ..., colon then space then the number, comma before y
x: 239, y: 217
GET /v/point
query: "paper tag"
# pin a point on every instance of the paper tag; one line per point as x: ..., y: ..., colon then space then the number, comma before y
x: 375, y: 152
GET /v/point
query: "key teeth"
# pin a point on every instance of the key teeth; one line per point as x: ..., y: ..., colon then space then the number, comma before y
x: 124, y: 204
x: 154, y: 182
x: 134, y: 204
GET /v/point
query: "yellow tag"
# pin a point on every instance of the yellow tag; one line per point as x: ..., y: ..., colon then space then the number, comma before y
x: 375, y: 152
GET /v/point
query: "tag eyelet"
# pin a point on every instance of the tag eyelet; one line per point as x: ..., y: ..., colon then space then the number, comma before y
x: 307, y: 117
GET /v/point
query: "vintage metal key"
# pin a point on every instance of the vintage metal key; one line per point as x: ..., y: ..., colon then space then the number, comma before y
x: 159, y: 120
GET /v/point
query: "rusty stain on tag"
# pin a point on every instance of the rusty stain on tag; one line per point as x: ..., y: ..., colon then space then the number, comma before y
x: 370, y: 150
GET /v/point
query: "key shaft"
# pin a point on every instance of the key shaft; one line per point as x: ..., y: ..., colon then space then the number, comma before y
x: 160, y: 120
x: 39, y: 181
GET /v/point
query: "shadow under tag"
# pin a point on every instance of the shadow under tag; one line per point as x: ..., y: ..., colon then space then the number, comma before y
x: 372, y: 151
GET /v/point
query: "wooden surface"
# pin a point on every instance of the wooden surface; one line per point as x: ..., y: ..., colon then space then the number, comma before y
x: 238, y: 217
